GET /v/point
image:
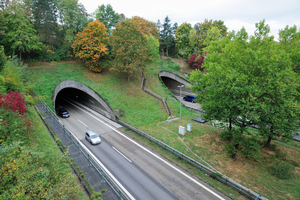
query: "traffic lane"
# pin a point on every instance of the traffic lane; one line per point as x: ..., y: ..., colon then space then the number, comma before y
x: 177, y: 183
x: 138, y: 183
x: 182, y: 185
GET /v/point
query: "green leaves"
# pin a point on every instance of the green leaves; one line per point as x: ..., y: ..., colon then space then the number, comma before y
x: 252, y: 79
x: 130, y: 48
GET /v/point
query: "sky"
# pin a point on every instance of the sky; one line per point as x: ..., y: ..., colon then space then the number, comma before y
x: 235, y: 13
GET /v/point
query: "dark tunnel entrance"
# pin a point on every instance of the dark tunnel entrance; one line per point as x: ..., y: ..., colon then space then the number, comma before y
x: 79, y: 93
x: 173, y: 81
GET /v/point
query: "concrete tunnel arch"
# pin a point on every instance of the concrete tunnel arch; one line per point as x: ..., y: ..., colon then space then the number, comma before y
x: 83, y: 94
x: 172, y: 81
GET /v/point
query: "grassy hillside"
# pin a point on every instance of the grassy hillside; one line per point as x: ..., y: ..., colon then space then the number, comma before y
x: 203, y: 143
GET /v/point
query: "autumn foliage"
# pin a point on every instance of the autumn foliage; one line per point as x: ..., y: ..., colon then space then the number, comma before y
x: 13, y: 101
x: 146, y: 27
x: 90, y: 45
x: 196, y: 62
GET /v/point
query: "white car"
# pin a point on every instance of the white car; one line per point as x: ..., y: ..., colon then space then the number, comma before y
x: 92, y: 137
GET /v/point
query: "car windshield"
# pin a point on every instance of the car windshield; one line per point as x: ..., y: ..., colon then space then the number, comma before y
x: 94, y: 136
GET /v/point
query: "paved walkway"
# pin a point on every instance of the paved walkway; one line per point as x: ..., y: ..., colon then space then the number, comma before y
x: 90, y: 173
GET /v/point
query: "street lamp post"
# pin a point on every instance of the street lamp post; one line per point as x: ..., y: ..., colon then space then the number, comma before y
x: 180, y: 86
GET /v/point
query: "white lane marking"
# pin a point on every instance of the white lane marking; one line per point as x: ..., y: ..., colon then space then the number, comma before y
x: 178, y: 170
x: 82, y: 123
x: 121, y: 154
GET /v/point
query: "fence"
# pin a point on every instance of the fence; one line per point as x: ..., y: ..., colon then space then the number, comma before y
x: 236, y: 186
x: 105, y: 174
x: 153, y: 94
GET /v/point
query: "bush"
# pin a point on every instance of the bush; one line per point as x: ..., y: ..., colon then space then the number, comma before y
x: 2, y: 58
x: 196, y: 62
x: 281, y: 170
x: 13, y: 101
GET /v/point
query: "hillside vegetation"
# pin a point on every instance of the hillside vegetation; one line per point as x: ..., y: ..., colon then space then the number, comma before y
x: 275, y: 174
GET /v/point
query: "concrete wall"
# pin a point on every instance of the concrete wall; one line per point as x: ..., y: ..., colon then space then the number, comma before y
x: 83, y: 94
x: 172, y: 81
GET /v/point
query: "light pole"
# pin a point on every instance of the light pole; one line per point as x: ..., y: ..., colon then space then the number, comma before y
x: 180, y: 86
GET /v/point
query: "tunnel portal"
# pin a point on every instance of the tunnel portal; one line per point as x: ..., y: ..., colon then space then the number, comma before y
x: 172, y: 81
x: 78, y: 92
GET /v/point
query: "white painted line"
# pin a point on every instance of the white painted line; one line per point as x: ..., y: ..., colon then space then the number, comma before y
x: 104, y: 168
x: 178, y: 170
x: 82, y: 123
x: 121, y: 154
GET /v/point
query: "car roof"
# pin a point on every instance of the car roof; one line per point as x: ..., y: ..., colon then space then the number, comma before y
x: 191, y: 95
x: 91, y: 132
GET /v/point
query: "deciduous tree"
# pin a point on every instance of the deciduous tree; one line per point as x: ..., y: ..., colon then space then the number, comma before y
x: 90, y: 45
x: 146, y: 27
x: 250, y: 80
x: 182, y: 39
x: 107, y: 16
x: 130, y: 48
x: 20, y: 35
x: 204, y: 27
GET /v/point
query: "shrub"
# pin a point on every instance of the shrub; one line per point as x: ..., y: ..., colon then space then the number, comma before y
x: 281, y: 170
x: 196, y: 62
x: 13, y: 101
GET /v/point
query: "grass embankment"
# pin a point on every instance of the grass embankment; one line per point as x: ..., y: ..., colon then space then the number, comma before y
x: 32, y: 166
x: 145, y: 112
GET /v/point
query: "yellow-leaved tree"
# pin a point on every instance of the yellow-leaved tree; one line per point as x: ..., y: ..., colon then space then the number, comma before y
x: 90, y: 45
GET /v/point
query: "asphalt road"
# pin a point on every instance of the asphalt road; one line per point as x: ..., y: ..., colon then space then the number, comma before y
x: 143, y: 173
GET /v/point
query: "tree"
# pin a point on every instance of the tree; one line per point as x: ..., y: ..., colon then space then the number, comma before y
x: 182, y: 39
x: 244, y: 81
x: 90, y: 45
x: 290, y: 41
x: 72, y: 17
x: 130, y: 48
x: 153, y: 46
x: 166, y: 35
x: 45, y: 16
x: 203, y: 28
x: 20, y: 35
x: 146, y: 27
x: 107, y: 16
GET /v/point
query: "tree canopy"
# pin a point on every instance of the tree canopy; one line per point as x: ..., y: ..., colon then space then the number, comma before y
x: 20, y: 35
x: 250, y: 81
x: 130, y: 48
x: 146, y: 27
x: 107, y: 16
x: 90, y: 45
x: 182, y: 39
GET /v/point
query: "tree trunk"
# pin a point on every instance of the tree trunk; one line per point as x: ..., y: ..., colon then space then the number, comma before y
x: 20, y: 55
x: 269, y: 141
x: 230, y: 126
x: 167, y: 52
x: 128, y: 78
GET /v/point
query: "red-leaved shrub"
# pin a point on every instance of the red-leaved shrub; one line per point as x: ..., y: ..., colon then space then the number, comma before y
x: 13, y: 101
x: 196, y: 62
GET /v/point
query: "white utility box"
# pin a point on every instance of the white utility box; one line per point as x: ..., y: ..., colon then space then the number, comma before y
x: 189, y: 127
x: 181, y: 130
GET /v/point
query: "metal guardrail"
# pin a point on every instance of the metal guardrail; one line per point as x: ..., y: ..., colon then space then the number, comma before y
x: 236, y: 186
x: 104, y: 174
x: 153, y: 94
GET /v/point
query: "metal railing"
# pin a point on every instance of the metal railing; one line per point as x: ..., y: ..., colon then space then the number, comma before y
x: 236, y: 186
x: 105, y: 174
